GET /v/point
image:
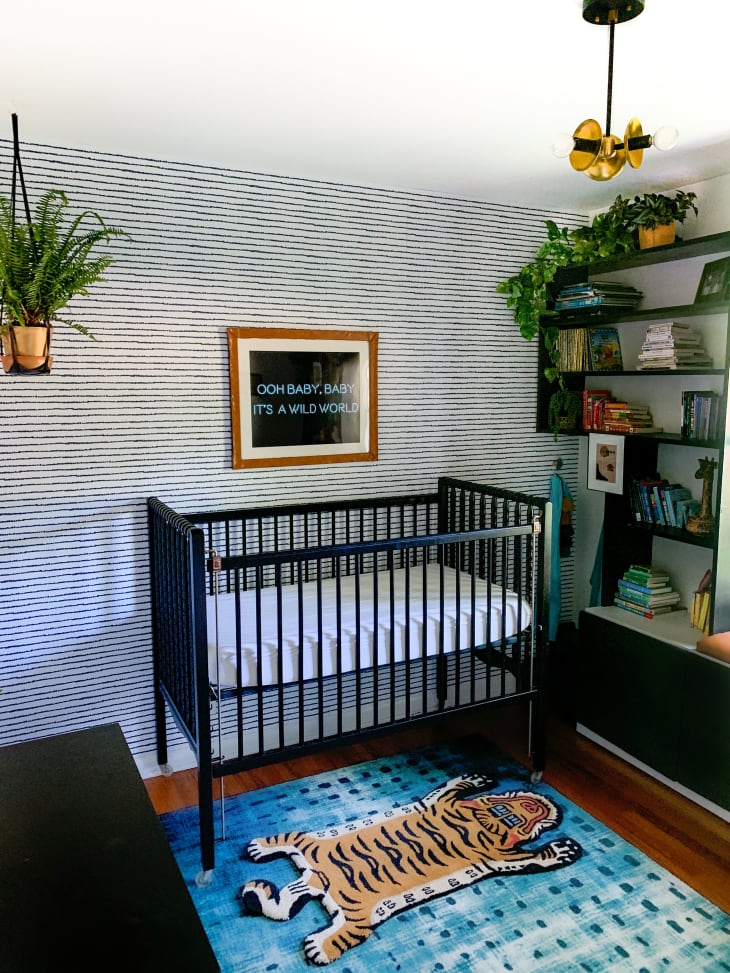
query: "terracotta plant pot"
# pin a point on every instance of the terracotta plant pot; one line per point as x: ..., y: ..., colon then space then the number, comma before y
x: 660, y: 236
x: 27, y: 348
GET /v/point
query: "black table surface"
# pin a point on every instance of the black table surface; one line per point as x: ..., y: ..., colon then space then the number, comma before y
x: 87, y: 878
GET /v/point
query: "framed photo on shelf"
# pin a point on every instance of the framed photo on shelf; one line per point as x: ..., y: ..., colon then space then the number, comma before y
x: 605, y: 462
x: 605, y: 350
x: 300, y: 396
x: 714, y: 282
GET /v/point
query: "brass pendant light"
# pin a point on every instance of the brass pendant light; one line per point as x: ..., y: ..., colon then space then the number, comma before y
x: 602, y: 155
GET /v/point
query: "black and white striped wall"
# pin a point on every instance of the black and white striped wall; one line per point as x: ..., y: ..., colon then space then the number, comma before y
x: 144, y: 409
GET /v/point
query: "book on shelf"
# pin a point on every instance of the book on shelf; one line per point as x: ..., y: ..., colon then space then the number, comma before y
x: 605, y: 350
x: 647, y: 499
x: 650, y: 576
x: 699, y: 613
x: 573, y: 350
x: 595, y: 295
x: 628, y: 418
x: 592, y: 400
x: 669, y: 597
x: 660, y: 503
x: 654, y: 500
x: 629, y: 428
x: 643, y: 612
x: 618, y: 409
x: 698, y: 360
x: 671, y: 331
x: 685, y: 509
x: 700, y: 414
x: 644, y: 590
x: 672, y: 495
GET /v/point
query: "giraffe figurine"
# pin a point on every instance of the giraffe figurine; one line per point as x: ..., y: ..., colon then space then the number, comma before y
x: 703, y: 522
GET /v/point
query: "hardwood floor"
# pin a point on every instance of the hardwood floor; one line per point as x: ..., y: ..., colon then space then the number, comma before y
x: 690, y: 842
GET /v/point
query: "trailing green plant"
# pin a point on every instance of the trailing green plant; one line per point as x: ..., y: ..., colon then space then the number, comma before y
x: 655, y: 209
x: 47, y: 262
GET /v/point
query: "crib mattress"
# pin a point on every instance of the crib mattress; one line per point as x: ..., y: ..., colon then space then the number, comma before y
x: 410, y: 629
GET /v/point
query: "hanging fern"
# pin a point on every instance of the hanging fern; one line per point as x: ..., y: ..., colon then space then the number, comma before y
x: 45, y: 264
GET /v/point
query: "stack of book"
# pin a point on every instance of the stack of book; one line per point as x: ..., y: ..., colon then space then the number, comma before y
x: 672, y: 345
x: 628, y: 418
x: 700, y: 415
x: 597, y: 296
x: 657, y: 501
x: 645, y: 591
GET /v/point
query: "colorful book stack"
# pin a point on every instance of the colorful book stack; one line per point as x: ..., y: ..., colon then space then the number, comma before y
x: 645, y: 591
x: 672, y: 345
x: 627, y: 418
x: 596, y: 296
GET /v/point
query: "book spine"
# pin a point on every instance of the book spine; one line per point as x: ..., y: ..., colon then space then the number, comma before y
x: 632, y: 608
x: 657, y: 506
x: 643, y: 589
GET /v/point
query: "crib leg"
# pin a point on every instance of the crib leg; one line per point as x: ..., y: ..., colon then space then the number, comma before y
x: 538, y: 735
x: 205, y: 810
x: 161, y: 728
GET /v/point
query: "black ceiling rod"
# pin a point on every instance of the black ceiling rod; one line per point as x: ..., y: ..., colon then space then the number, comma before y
x: 607, y: 130
x: 18, y: 168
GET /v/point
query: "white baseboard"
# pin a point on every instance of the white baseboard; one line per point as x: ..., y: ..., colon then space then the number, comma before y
x: 180, y: 757
x: 710, y: 806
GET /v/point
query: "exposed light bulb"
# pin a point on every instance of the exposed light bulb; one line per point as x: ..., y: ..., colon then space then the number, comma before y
x: 665, y: 138
x: 562, y: 145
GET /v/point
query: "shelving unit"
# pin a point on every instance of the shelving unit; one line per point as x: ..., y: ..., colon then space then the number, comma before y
x: 643, y: 689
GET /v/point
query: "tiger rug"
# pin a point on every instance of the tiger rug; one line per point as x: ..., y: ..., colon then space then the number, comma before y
x: 363, y: 872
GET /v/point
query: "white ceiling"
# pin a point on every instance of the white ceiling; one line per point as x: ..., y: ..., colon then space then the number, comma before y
x: 460, y: 98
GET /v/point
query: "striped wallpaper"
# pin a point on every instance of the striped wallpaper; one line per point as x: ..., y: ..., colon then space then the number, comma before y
x: 144, y: 409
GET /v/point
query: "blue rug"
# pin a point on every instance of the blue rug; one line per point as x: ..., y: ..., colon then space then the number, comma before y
x: 441, y: 859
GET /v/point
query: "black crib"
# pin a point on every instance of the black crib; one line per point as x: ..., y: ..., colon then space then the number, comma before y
x: 345, y: 619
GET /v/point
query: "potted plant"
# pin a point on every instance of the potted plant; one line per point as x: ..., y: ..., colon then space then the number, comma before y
x: 563, y: 409
x: 655, y: 216
x: 43, y: 264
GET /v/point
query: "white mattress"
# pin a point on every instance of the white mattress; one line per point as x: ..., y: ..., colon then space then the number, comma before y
x: 409, y: 630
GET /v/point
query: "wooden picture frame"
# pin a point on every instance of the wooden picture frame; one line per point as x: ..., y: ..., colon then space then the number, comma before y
x: 606, y: 462
x: 301, y: 396
x: 715, y: 281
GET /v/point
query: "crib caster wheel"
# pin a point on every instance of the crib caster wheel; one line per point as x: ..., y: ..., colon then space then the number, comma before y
x: 166, y: 770
x: 535, y: 776
x: 204, y: 878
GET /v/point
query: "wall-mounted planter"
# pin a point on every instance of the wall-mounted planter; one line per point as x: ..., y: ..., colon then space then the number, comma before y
x: 26, y: 350
x: 45, y: 261
x: 658, y: 236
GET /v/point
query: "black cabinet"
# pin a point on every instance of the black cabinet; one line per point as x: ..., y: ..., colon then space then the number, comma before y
x: 664, y: 705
